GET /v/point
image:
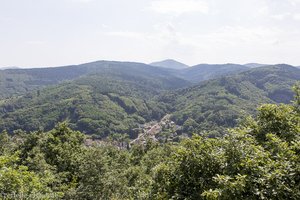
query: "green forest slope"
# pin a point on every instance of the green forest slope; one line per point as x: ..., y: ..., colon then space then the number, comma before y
x: 219, y: 103
x: 99, y: 104
x: 257, y: 160
x: 14, y: 82
x: 21, y: 81
x: 111, y: 102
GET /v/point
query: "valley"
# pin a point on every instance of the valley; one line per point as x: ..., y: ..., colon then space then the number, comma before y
x: 149, y: 100
x: 123, y: 130
x: 162, y: 131
x: 104, y: 98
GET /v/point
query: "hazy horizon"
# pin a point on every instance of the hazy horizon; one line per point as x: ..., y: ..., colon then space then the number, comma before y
x: 52, y: 33
x: 71, y: 64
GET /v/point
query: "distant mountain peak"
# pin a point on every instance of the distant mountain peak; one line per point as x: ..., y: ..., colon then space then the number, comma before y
x: 169, y: 63
x: 254, y: 65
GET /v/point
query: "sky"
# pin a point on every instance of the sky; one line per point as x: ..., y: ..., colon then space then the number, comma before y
x: 44, y: 33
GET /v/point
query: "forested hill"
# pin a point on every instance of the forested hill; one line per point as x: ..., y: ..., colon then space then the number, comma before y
x: 22, y: 81
x: 15, y: 82
x: 169, y: 63
x: 204, y: 72
x: 117, y: 101
x: 258, y: 160
x: 254, y: 65
x: 113, y: 101
x: 215, y: 104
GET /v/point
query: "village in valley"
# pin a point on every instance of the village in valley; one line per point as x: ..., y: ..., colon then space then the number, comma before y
x: 162, y: 131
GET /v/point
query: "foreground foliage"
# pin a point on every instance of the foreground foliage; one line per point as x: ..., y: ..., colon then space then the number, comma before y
x: 260, y: 159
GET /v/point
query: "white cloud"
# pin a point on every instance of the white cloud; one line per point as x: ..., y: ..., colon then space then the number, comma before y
x: 238, y: 35
x: 191, y: 30
x: 127, y: 34
x: 280, y: 16
x: 286, y: 16
x: 35, y: 42
x: 294, y: 2
x: 165, y: 30
x: 297, y: 17
x: 263, y: 9
x: 179, y: 6
x: 82, y: 1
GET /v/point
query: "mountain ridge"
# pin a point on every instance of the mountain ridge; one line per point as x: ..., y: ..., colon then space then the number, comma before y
x: 221, y: 102
x: 204, y: 72
x: 109, y: 103
x: 21, y: 81
x: 169, y: 63
x: 254, y: 65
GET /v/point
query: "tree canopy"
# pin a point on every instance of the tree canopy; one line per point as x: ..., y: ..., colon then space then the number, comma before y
x: 259, y: 159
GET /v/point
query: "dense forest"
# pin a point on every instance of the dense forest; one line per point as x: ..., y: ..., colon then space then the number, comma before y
x: 220, y: 103
x: 122, y: 130
x: 118, y: 98
x: 94, y: 107
x: 259, y: 159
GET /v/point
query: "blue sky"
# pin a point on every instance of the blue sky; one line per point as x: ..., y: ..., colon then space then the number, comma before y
x: 60, y: 32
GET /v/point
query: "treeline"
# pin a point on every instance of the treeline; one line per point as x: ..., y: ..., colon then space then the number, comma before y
x: 260, y: 159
